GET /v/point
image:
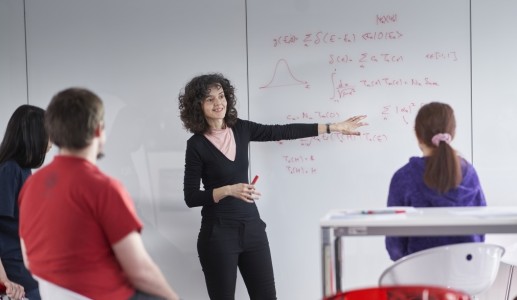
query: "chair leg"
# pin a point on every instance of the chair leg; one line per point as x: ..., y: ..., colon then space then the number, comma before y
x: 509, y: 283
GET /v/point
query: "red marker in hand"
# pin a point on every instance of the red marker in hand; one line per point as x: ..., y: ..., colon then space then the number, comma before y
x: 255, y: 179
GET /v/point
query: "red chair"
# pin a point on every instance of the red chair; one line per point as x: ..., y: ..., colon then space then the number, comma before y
x: 401, y: 293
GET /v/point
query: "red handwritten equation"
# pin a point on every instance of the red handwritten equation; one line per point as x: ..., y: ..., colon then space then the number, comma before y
x: 300, y: 164
x: 316, y: 115
x: 336, y: 137
x: 342, y: 89
x: 442, y: 55
x: 392, y: 82
x: 407, y: 112
x: 386, y: 19
x: 311, y: 39
x: 365, y: 58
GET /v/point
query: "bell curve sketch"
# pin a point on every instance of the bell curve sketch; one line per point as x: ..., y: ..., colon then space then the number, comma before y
x: 283, y: 76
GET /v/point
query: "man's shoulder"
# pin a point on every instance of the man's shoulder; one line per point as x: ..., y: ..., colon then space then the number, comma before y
x: 83, y: 174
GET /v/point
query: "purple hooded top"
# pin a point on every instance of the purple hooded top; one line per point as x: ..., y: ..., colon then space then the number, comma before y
x: 407, y: 188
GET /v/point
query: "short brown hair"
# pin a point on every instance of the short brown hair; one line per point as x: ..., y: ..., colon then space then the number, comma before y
x: 72, y: 117
x: 443, y: 169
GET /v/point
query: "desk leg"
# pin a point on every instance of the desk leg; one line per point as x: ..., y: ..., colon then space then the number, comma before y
x: 327, y: 262
x: 338, y: 263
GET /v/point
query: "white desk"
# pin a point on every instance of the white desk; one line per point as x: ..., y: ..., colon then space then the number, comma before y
x: 418, y: 222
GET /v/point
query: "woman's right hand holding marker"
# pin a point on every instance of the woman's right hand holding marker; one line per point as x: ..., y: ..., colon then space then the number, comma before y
x: 243, y: 191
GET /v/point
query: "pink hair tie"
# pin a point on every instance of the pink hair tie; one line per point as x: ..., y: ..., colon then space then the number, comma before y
x: 441, y: 137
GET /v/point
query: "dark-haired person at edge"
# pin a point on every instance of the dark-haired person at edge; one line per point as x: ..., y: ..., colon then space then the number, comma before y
x: 232, y: 234
x: 78, y: 226
x: 24, y: 146
x: 439, y: 178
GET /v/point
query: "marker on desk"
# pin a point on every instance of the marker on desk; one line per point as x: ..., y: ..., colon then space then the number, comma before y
x: 255, y: 179
x: 383, y: 211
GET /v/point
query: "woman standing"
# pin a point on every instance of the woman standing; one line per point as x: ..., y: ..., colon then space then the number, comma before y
x: 23, y: 148
x: 439, y: 178
x: 232, y: 235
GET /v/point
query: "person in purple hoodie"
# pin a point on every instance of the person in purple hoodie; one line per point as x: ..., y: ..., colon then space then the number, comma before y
x: 439, y: 178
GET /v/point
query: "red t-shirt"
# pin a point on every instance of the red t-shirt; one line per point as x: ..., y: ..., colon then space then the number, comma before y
x: 70, y: 216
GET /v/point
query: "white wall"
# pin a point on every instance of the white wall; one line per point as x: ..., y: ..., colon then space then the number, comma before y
x: 494, y: 107
x: 137, y: 55
x: 494, y: 101
x: 13, y: 83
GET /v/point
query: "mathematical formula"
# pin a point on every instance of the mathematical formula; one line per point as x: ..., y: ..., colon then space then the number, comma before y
x: 350, y: 63
x: 311, y: 39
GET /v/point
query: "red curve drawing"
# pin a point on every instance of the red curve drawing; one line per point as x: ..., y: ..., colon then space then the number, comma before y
x: 288, y: 77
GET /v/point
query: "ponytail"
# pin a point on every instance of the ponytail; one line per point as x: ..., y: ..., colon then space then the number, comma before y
x: 435, y: 126
x: 443, y: 169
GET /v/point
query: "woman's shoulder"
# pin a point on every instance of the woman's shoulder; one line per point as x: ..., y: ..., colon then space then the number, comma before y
x: 409, y: 172
x: 467, y: 169
x: 242, y: 125
x: 239, y: 123
x: 12, y: 170
x: 10, y: 166
x: 247, y: 124
x: 417, y: 161
x: 414, y: 163
x: 465, y: 164
x: 196, y: 138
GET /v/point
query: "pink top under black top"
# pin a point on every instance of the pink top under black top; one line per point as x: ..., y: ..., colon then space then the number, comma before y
x: 205, y: 163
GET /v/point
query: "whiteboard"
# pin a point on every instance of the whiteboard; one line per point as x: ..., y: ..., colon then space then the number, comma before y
x: 323, y: 61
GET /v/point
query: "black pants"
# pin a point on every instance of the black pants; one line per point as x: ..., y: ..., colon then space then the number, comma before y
x: 223, y: 246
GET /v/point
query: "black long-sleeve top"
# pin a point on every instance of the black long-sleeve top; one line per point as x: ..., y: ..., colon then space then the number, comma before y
x: 204, y: 162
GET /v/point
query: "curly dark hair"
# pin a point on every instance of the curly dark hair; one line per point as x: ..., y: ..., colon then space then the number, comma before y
x: 195, y: 92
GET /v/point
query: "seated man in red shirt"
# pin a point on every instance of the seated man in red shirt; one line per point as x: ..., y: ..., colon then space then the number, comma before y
x: 78, y: 226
